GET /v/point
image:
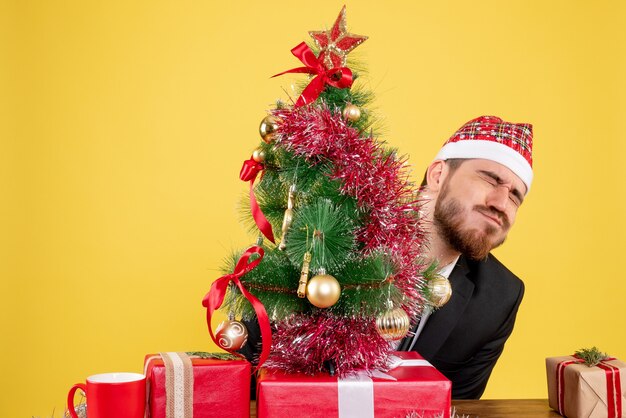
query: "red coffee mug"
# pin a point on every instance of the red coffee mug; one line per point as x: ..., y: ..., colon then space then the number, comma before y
x: 112, y: 395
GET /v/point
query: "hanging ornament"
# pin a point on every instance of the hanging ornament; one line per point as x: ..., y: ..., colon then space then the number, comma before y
x: 304, y: 275
x: 393, y: 325
x: 440, y: 291
x: 231, y: 335
x: 287, y: 218
x: 352, y: 112
x: 268, y: 128
x: 258, y: 155
x: 323, y: 290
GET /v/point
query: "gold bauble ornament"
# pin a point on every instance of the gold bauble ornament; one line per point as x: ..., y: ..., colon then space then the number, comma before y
x: 352, y: 112
x: 268, y: 128
x: 393, y: 325
x: 323, y: 290
x: 258, y: 155
x: 440, y: 291
x: 231, y: 335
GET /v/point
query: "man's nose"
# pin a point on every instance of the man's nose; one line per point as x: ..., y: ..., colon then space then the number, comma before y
x: 499, y: 198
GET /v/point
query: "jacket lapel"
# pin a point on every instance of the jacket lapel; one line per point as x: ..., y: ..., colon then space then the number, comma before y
x: 441, y: 323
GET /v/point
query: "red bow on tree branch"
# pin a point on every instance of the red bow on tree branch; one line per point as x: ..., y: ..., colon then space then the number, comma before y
x: 249, y: 171
x: 214, y: 299
x: 340, y: 77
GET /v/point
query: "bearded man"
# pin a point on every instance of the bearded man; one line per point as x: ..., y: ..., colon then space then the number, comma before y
x: 472, y: 192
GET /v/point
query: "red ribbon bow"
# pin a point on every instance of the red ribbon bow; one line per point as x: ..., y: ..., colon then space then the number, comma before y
x: 249, y: 171
x: 214, y: 299
x: 340, y: 77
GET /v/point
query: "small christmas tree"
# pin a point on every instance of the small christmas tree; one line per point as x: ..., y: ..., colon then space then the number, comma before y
x: 346, y: 275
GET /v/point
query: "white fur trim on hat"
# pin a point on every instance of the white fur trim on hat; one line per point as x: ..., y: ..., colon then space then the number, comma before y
x: 489, y: 150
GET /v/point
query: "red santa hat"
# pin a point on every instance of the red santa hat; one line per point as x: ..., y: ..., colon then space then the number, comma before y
x: 491, y: 138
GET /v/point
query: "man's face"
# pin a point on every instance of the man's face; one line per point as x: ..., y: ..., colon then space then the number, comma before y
x: 477, y: 205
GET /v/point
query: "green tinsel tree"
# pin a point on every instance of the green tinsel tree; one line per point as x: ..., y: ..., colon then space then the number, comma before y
x: 347, y: 215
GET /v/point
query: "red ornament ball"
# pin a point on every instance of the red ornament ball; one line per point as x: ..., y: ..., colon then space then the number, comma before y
x: 231, y: 335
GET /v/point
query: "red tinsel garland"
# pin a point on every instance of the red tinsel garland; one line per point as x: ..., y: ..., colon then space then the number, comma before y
x: 377, y: 179
x: 350, y: 343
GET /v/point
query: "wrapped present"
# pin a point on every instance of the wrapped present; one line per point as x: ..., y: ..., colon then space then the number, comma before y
x: 198, y: 385
x: 577, y: 390
x: 414, y: 386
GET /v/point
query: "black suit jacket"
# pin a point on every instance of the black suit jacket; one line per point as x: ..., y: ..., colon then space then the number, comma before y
x: 465, y: 337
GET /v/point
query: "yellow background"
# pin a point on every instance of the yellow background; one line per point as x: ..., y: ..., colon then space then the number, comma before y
x: 124, y: 125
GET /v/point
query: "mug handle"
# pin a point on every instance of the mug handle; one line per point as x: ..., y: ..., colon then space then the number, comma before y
x: 70, y: 398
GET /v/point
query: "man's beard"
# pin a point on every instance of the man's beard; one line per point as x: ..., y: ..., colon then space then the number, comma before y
x: 474, y: 243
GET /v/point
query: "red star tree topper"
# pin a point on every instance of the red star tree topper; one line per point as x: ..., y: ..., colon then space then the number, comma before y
x: 336, y: 43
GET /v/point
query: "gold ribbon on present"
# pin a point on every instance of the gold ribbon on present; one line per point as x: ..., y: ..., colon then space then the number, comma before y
x: 178, y: 384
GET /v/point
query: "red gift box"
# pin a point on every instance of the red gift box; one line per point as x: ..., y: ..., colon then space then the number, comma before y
x: 414, y: 387
x: 221, y: 388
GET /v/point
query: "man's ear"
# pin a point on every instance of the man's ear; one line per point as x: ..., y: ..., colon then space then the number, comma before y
x: 435, y: 175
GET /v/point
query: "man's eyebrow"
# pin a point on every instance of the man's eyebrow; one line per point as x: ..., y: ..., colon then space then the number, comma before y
x: 499, y: 180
